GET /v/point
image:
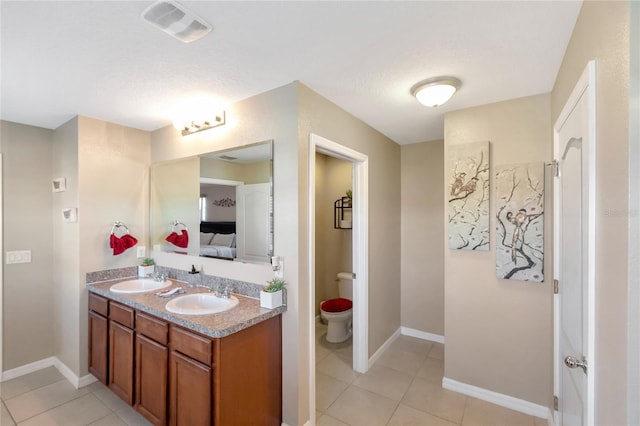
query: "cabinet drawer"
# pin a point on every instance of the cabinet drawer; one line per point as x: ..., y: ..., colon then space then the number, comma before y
x: 155, y: 329
x: 121, y: 314
x: 98, y: 304
x: 191, y: 344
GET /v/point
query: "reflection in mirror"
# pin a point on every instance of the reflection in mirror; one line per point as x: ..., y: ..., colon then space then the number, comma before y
x: 216, y: 205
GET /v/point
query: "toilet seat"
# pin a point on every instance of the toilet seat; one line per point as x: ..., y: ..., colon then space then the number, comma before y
x: 339, y: 304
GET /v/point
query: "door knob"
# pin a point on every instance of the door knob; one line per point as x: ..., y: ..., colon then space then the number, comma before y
x: 572, y: 362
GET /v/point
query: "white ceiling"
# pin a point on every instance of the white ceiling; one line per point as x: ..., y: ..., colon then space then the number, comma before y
x: 100, y: 59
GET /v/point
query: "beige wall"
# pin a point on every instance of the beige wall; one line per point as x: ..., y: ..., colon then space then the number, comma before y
x: 287, y: 115
x: 106, y: 167
x: 319, y: 116
x: 633, y: 357
x: 66, y: 248
x: 27, y: 320
x: 422, y: 235
x: 499, y: 332
x: 602, y: 33
x: 175, y: 195
x: 247, y: 173
x: 333, y: 246
x: 270, y: 115
x: 113, y: 184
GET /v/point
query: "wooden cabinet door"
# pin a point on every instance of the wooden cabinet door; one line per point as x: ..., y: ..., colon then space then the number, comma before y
x: 121, y: 361
x: 152, y: 361
x: 98, y: 339
x: 190, y: 390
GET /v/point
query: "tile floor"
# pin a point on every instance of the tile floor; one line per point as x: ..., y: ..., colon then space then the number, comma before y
x: 403, y: 387
x: 46, y: 398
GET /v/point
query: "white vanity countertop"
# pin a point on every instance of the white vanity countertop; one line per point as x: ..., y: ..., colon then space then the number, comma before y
x: 247, y: 313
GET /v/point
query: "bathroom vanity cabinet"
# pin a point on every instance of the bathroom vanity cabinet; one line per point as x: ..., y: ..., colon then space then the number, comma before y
x: 98, y: 337
x: 177, y: 376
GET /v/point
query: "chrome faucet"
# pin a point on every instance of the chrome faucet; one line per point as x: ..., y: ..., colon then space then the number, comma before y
x: 226, y: 292
x: 159, y: 276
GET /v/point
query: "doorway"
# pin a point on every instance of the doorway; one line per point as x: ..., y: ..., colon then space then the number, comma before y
x: 574, y: 255
x: 359, y: 255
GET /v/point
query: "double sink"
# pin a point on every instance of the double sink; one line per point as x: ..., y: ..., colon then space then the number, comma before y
x: 190, y: 304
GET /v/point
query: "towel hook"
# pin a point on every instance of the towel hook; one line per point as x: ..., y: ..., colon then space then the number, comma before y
x: 177, y: 223
x: 118, y: 224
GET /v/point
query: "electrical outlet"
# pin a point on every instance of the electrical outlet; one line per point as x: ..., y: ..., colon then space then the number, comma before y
x: 279, y: 273
x: 141, y: 251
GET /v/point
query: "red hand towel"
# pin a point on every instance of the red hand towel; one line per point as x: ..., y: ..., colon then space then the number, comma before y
x: 129, y: 241
x: 180, y: 240
x: 120, y: 244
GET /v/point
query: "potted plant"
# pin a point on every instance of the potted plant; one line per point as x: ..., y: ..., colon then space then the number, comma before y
x: 347, y: 200
x: 271, y: 294
x: 146, y: 268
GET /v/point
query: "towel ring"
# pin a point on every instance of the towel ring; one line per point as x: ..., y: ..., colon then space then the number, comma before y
x: 118, y: 224
x: 178, y: 223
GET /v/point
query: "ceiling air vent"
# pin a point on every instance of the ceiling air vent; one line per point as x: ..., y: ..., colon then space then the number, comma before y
x: 176, y: 20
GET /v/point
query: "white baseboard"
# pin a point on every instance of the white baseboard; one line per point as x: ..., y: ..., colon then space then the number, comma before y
x: 382, y: 348
x: 29, y: 368
x: 406, y: 331
x: 77, y: 382
x: 550, y: 421
x: 507, y: 401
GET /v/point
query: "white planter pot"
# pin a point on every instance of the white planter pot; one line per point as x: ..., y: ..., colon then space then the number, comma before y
x: 270, y: 300
x: 143, y: 271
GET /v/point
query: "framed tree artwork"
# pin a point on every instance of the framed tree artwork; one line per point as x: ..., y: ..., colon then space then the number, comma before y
x: 468, y: 196
x: 519, y: 191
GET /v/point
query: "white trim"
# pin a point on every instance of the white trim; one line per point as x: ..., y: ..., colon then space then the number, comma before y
x: 216, y: 181
x: 384, y: 347
x: 406, y: 331
x: 360, y: 254
x: 1, y: 270
x: 500, y: 399
x: 586, y: 83
x: 23, y: 370
x: 77, y: 382
x: 29, y: 368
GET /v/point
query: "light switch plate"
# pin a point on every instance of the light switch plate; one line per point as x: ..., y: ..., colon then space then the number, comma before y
x: 18, y: 256
x: 141, y: 251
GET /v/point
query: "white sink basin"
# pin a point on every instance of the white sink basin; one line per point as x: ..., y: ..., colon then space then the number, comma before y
x: 200, y: 304
x: 140, y: 285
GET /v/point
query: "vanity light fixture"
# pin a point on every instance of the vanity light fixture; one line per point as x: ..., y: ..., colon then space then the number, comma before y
x: 436, y: 91
x: 188, y: 127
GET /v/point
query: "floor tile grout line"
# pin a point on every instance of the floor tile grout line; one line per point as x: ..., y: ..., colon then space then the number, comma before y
x: 34, y: 389
x: 54, y: 407
x: 9, y: 413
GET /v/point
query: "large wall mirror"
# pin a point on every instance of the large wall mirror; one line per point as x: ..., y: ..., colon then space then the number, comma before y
x: 217, y: 205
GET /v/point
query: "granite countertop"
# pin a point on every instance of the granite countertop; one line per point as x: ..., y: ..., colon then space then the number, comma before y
x: 247, y: 313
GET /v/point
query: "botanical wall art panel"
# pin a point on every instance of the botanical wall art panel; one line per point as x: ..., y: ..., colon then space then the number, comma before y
x: 468, y: 195
x: 520, y: 222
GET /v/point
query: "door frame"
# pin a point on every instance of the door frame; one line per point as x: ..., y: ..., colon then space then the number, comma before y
x: 360, y: 163
x: 1, y: 270
x: 586, y: 85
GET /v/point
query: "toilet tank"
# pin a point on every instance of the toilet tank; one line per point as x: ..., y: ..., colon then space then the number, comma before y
x: 345, y: 285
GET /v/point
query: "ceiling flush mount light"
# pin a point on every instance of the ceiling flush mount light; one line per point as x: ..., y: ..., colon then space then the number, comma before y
x: 176, y: 20
x: 435, y: 91
x: 188, y: 127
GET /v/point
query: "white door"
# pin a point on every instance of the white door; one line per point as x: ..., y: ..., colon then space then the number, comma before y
x: 252, y: 222
x: 574, y: 238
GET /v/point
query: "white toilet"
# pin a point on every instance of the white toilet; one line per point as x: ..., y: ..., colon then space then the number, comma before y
x: 338, y: 312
